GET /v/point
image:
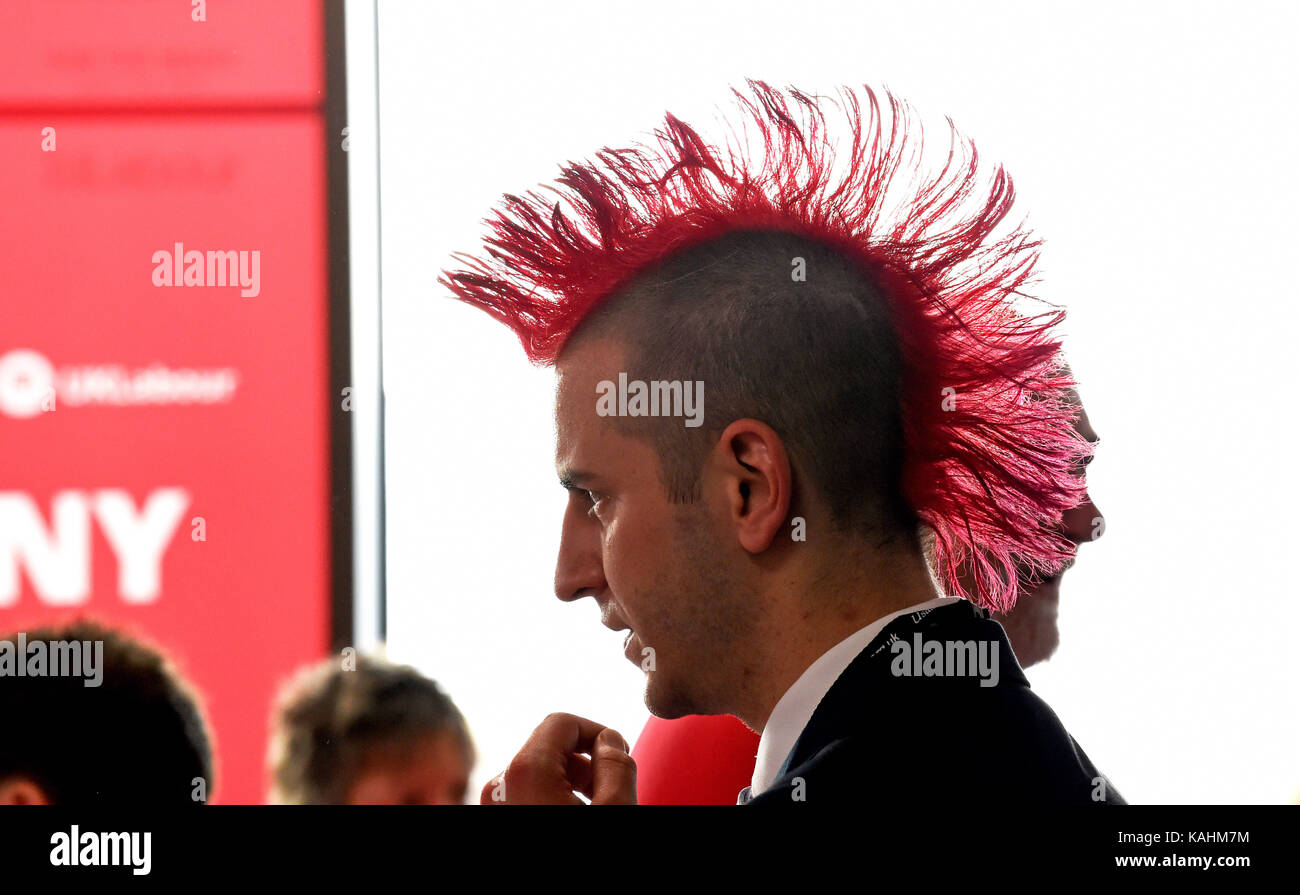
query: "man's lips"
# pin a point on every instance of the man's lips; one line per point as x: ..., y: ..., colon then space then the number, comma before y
x: 627, y: 644
x: 628, y: 650
x: 616, y: 624
x: 609, y: 618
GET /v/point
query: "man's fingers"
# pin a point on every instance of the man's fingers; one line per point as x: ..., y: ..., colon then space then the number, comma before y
x: 493, y: 791
x: 563, y: 733
x: 553, y: 765
x: 580, y: 774
x: 613, y: 770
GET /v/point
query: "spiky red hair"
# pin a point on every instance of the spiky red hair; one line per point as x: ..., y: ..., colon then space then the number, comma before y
x: 991, y: 454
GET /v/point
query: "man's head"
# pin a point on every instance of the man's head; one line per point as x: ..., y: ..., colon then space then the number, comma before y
x: 1032, y: 624
x: 862, y: 367
x: 137, y: 737
x: 677, y: 530
x: 373, y: 734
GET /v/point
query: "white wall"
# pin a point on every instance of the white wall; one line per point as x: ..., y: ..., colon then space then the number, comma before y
x: 1152, y: 147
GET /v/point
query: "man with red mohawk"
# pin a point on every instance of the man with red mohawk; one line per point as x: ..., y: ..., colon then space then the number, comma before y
x: 790, y: 369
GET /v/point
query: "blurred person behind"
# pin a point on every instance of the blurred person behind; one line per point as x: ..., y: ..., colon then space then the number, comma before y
x: 98, y: 717
x: 1032, y: 624
x: 368, y: 732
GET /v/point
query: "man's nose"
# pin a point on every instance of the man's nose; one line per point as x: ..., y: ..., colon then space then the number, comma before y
x: 579, y: 571
x: 1084, y: 523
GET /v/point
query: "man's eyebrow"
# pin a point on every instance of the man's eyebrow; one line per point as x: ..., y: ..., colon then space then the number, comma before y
x: 574, y: 479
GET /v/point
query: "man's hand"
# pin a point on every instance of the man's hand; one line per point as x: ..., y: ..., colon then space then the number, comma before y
x: 567, y: 754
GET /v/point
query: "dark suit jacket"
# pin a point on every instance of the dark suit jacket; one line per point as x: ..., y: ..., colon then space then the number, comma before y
x: 883, y: 736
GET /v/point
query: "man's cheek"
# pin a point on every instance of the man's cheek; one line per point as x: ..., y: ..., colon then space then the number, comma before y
x: 623, y: 546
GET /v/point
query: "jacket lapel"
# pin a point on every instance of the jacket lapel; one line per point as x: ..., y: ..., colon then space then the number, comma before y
x: 868, y: 692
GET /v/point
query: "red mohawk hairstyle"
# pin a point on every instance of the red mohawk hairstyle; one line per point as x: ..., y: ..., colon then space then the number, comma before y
x: 990, y: 454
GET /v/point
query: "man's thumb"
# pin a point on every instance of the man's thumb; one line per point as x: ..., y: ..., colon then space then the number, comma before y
x: 613, y: 771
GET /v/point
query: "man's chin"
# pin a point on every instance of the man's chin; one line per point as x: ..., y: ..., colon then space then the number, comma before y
x: 1049, y: 590
x: 1044, y: 645
x: 666, y: 701
x: 1032, y: 625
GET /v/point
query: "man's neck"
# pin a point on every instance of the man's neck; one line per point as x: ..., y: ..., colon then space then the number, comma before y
x: 802, y: 626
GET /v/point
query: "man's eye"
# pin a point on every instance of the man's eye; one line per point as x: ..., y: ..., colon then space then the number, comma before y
x: 594, y: 499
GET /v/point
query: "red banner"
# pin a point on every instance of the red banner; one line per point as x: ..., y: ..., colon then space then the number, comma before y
x: 164, y: 406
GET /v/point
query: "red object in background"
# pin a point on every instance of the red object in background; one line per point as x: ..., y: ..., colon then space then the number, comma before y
x: 126, y: 128
x: 250, y: 603
x: 152, y: 53
x: 695, y: 760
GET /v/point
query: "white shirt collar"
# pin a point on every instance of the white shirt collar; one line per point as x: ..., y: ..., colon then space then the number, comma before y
x: 795, y: 709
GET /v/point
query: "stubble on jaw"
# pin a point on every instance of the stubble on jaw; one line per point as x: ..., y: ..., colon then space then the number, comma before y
x: 1032, y: 626
x: 711, y: 619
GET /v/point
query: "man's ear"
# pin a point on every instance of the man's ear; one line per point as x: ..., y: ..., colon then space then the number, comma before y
x: 756, y: 475
x: 21, y: 791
